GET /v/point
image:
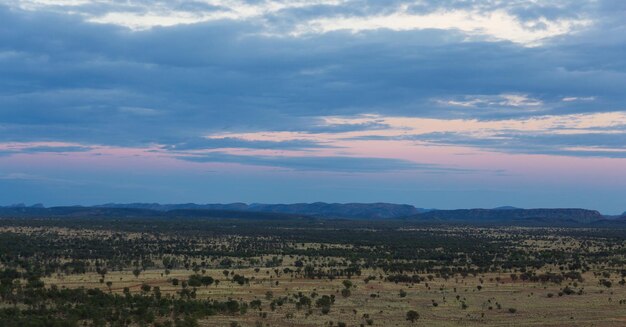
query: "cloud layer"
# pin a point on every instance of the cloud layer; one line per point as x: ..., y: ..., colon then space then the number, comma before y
x: 413, y: 88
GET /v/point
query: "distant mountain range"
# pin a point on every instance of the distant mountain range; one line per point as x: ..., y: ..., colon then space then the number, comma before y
x: 317, y: 209
x: 362, y: 211
x: 581, y: 216
x: 104, y: 212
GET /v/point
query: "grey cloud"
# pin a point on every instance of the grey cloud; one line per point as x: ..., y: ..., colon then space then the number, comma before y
x: 328, y: 164
x: 67, y: 80
x: 605, y: 145
x: 44, y: 149
x: 38, y: 149
x: 233, y: 142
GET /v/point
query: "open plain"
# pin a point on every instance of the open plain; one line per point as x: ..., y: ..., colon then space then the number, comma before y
x: 230, y: 272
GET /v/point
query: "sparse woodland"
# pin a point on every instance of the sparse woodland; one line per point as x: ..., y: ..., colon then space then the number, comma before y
x: 225, y: 272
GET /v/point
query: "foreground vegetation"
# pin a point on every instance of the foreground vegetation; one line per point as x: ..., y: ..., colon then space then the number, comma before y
x: 306, y: 272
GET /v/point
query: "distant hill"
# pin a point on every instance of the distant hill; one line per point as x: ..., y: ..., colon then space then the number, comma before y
x: 103, y: 212
x: 506, y: 208
x: 549, y: 216
x: 317, y: 209
x: 321, y: 210
x: 347, y: 210
x: 179, y: 206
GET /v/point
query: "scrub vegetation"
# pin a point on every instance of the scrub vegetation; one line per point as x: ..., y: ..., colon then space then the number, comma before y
x: 306, y: 272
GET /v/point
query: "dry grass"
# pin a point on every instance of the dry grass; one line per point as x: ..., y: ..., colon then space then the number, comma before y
x: 597, y: 306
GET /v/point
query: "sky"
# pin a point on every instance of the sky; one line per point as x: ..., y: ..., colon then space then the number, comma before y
x: 438, y: 104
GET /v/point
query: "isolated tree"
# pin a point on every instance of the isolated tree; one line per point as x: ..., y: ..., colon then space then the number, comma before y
x: 412, y: 315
